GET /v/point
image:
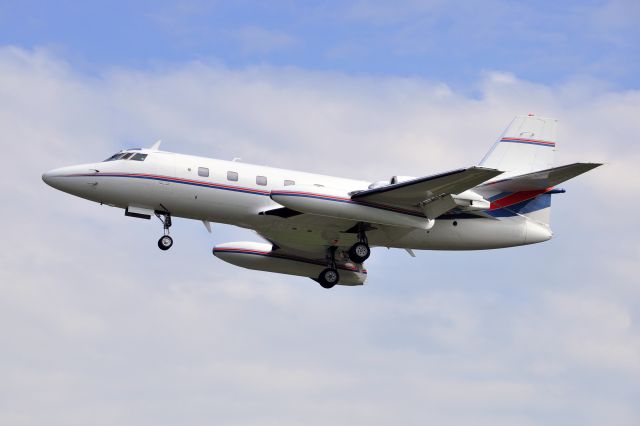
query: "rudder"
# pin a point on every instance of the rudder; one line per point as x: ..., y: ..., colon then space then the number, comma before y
x: 526, y: 146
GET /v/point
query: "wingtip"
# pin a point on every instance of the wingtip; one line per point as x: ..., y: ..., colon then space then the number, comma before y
x: 590, y: 166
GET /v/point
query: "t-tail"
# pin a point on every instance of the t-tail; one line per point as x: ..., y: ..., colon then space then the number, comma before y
x: 525, y: 153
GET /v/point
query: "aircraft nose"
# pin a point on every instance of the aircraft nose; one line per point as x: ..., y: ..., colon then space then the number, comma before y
x: 68, y: 179
x: 52, y: 176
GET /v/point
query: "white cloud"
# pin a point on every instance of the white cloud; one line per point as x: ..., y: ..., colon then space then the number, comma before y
x: 100, y: 327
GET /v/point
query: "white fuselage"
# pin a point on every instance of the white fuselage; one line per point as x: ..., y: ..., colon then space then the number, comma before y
x: 237, y: 193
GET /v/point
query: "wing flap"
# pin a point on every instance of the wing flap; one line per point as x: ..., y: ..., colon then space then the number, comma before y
x: 414, y: 191
x: 542, y: 179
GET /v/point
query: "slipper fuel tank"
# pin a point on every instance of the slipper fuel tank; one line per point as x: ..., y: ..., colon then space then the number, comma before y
x: 262, y: 257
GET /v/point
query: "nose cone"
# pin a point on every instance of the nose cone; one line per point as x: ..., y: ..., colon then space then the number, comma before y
x: 73, y: 180
x: 53, y: 177
x: 536, y: 232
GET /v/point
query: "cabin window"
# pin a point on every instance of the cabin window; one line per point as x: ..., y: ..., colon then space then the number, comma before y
x: 127, y: 155
x: 233, y: 176
x: 261, y: 180
x: 289, y: 182
x: 203, y: 171
x: 139, y: 157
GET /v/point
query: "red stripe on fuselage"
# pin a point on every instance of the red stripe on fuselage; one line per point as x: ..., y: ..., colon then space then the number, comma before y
x: 310, y: 194
x: 177, y: 180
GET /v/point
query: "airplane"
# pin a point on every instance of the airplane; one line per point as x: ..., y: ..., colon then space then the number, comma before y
x: 323, y: 227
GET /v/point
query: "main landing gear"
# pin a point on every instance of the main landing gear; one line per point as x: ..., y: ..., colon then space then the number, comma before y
x: 329, y: 277
x: 360, y: 251
x: 165, y: 242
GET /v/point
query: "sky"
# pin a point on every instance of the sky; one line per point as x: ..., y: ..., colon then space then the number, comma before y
x: 100, y: 327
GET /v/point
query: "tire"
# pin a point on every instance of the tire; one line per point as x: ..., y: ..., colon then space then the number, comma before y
x: 359, y: 252
x: 165, y: 242
x: 328, y: 278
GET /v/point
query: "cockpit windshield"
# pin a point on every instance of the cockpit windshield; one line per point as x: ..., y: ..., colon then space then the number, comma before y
x: 114, y: 157
x: 124, y: 155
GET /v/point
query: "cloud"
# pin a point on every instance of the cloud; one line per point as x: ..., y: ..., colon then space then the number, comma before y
x: 99, y: 326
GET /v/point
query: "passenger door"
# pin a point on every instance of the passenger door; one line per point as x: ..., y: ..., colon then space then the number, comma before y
x: 165, y: 174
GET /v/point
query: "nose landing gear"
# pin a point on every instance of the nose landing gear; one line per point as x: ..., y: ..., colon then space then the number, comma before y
x: 165, y: 242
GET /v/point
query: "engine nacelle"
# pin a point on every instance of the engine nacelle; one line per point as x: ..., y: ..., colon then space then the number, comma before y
x: 262, y: 257
x: 392, y: 181
x: 470, y: 200
x: 398, y: 179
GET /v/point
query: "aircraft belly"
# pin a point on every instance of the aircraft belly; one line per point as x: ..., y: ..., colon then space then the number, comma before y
x: 304, y: 236
x: 466, y: 234
x: 220, y: 206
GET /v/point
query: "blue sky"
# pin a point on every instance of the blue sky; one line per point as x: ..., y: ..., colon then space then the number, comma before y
x: 100, y: 327
x: 454, y: 42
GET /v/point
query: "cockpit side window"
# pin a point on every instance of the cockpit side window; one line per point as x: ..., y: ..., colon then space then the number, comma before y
x: 139, y: 157
x: 127, y: 156
x: 114, y: 157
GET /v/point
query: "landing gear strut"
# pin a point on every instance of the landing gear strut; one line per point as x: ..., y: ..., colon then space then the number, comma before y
x: 165, y: 242
x: 360, y: 251
x: 329, y: 276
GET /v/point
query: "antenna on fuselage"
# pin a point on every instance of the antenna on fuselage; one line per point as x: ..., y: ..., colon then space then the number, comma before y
x: 156, y: 146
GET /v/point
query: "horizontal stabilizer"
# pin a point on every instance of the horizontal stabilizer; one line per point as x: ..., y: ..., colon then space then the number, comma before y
x: 541, y: 180
x: 414, y: 191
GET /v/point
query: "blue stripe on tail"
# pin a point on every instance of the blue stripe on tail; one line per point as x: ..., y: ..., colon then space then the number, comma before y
x: 542, y: 201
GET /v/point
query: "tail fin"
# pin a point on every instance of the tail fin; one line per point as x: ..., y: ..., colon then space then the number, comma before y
x: 525, y: 153
x: 526, y: 146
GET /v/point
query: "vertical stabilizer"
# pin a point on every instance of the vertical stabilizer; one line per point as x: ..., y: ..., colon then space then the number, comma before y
x: 528, y: 145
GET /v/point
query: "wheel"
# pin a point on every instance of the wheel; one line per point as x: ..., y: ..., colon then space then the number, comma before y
x: 328, y: 278
x: 165, y: 242
x: 359, y: 252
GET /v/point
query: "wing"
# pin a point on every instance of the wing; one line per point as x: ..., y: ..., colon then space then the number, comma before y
x: 414, y: 203
x: 541, y: 180
x: 415, y: 191
x: 309, y: 235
